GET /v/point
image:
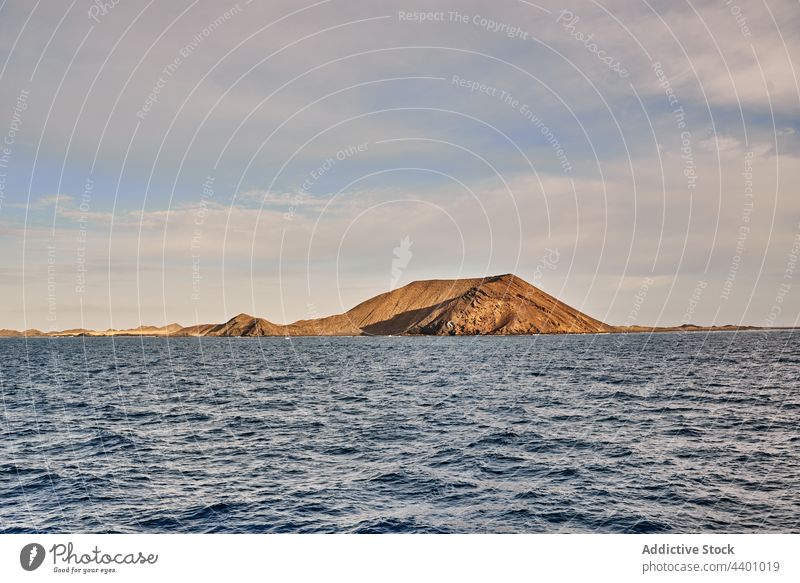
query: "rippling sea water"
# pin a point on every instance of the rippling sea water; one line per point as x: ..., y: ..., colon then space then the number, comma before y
x: 601, y: 433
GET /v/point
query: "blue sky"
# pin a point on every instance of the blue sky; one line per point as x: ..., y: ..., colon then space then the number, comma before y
x: 326, y: 133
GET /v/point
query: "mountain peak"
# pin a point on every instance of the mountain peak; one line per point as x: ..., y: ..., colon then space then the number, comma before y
x: 500, y: 304
x: 244, y: 325
x: 241, y: 318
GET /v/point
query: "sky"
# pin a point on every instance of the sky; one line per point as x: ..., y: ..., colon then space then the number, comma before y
x: 191, y: 160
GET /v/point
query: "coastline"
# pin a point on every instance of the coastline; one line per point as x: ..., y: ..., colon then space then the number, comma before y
x: 653, y: 330
x: 501, y: 305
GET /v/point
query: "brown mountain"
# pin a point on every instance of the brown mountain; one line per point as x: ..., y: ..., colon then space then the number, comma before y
x: 503, y: 304
x: 244, y: 325
x: 500, y: 305
x: 17, y: 333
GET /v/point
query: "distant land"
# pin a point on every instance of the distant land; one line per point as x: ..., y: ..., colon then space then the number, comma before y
x: 501, y: 305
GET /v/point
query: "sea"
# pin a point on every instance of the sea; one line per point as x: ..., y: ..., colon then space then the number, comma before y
x: 611, y: 433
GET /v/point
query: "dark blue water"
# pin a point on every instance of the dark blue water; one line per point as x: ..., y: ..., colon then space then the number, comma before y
x: 609, y: 433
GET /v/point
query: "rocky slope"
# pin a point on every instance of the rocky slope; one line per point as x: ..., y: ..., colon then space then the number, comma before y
x: 243, y: 325
x: 505, y: 305
x: 18, y: 333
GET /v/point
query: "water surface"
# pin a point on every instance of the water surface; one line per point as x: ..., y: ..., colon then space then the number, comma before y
x: 598, y: 433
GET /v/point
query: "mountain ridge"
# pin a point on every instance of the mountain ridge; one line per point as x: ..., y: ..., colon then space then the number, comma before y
x: 500, y: 305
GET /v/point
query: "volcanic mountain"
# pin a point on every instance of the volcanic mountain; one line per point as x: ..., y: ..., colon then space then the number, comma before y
x: 502, y: 305
x: 499, y: 305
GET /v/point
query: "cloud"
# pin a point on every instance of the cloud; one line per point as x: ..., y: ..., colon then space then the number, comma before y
x: 722, y: 144
x: 44, y: 202
x: 265, y: 104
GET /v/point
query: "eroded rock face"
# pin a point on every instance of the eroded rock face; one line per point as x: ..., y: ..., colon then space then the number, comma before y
x: 507, y: 305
